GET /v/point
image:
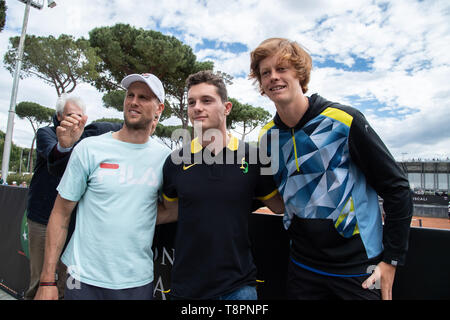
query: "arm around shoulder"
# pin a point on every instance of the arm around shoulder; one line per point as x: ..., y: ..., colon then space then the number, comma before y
x: 167, y: 211
x: 274, y: 202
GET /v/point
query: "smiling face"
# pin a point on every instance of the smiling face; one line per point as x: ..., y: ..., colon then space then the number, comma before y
x: 279, y: 80
x: 140, y: 107
x: 205, y: 107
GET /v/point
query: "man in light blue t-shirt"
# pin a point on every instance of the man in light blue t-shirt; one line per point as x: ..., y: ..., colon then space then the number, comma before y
x: 114, y: 178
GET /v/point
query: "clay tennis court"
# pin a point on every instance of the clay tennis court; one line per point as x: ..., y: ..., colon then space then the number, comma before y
x: 424, y: 222
x: 427, y: 222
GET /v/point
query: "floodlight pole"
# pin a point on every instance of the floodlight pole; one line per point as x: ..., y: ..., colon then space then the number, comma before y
x: 12, y: 106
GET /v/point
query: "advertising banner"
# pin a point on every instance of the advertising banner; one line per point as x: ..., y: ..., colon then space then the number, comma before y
x: 14, y: 265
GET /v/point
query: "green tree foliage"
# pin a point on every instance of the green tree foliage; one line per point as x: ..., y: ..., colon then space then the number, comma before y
x: 61, y: 62
x: 114, y: 99
x: 246, y: 116
x: 166, y: 134
x: 3, y: 8
x: 38, y: 116
x: 114, y: 120
x: 124, y: 49
x: 35, y: 113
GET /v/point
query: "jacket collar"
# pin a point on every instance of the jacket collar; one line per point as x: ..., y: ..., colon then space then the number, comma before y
x: 55, y: 120
x: 316, y: 105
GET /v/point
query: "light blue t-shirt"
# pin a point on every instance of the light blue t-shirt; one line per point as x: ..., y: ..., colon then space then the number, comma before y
x: 116, y: 185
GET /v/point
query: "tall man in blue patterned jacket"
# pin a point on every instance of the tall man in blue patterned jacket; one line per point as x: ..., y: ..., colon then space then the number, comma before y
x: 332, y: 168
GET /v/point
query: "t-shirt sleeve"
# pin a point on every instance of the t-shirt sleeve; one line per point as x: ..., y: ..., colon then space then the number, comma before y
x: 73, y: 184
x: 169, y: 191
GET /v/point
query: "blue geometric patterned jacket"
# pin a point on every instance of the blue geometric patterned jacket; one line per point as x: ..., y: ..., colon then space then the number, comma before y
x: 330, y: 169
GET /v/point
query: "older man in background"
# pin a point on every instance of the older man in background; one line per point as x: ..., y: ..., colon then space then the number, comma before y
x: 42, y: 192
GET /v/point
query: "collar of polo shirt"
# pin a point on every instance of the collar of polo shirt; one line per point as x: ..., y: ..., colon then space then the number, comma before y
x: 233, y: 144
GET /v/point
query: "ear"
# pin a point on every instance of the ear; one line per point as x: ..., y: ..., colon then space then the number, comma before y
x: 228, y: 106
x: 160, y: 109
x: 59, y: 117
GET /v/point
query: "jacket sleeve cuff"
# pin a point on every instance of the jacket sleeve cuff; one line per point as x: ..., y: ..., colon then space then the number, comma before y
x: 61, y: 149
x: 394, y: 259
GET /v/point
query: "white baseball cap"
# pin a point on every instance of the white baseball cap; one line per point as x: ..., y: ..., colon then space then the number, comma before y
x: 151, y: 80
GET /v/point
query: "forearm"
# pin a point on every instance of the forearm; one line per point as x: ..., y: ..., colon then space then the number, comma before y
x: 56, y: 235
x: 167, y: 212
x: 162, y: 219
x: 275, y: 203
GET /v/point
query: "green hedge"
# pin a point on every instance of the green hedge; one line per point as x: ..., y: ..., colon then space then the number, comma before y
x: 19, y: 178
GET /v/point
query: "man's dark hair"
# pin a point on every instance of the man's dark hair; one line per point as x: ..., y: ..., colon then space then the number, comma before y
x: 208, y: 77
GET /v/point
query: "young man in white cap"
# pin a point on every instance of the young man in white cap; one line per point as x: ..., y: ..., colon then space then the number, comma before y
x: 114, y: 178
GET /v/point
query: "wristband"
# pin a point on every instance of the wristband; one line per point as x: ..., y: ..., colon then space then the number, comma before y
x: 47, y: 284
x: 61, y: 149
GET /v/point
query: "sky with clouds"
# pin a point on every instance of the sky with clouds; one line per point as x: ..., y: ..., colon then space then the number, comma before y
x: 389, y: 59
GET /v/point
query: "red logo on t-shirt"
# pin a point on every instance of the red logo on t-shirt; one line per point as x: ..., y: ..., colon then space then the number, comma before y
x: 109, y: 165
